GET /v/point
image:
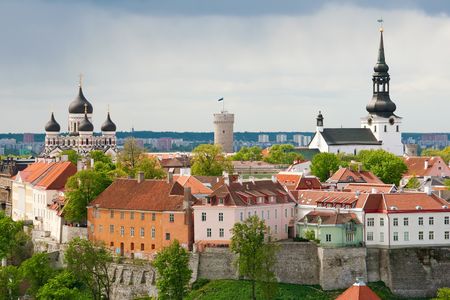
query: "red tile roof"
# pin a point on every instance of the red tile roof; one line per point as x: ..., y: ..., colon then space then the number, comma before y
x: 416, y: 166
x: 296, y: 181
x: 405, y: 202
x: 330, y: 218
x: 330, y: 198
x: 148, y: 195
x: 368, y: 187
x: 197, y: 187
x: 50, y: 176
x: 346, y: 175
x: 358, y: 292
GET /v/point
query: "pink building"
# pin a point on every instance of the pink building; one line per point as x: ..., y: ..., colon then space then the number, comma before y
x: 232, y: 202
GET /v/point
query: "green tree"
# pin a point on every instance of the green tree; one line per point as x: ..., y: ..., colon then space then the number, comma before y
x: 151, y: 168
x: 413, y: 183
x: 249, y: 154
x: 72, y: 156
x: 385, y: 165
x: 323, y: 165
x: 443, y: 294
x: 81, y: 189
x: 282, y: 154
x: 10, y: 279
x: 22, y: 248
x: 100, y: 156
x: 37, y: 271
x: 128, y: 159
x: 9, y: 230
x: 255, y: 257
x: 172, y: 264
x: 89, y: 263
x: 64, y: 286
x: 444, y: 153
x: 208, y: 160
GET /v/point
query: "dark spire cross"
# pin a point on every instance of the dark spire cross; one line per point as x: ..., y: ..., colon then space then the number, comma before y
x: 380, y: 20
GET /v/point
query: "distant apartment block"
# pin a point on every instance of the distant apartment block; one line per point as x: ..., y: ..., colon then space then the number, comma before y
x: 263, y: 138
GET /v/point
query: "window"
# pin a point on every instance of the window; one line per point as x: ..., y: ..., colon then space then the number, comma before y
x: 446, y: 235
x: 241, y: 216
x: 405, y: 221
x: 132, y: 246
x: 111, y: 228
x: 249, y: 214
x: 268, y: 214
x: 132, y: 215
x: 122, y: 231
x: 431, y: 220
x: 221, y: 201
x: 375, y: 128
x: 142, y: 247
x: 111, y: 214
x: 142, y: 232
x: 431, y: 235
x: 370, y: 222
x: 395, y: 236
x: 153, y: 216
x: 153, y: 232
x: 446, y: 220
x: 276, y: 213
x: 208, y: 232
x: 92, y: 228
x: 171, y: 218
x: 262, y: 214
x: 370, y: 236
x: 385, y: 128
x: 221, y: 232
x: 420, y: 220
x: 131, y: 231
x: 95, y: 213
x: 381, y: 221
x: 167, y: 236
x: 111, y: 244
x: 285, y: 212
x: 285, y: 228
x: 220, y: 217
x: 122, y: 215
x: 100, y: 228
x: 142, y: 216
x: 292, y: 211
x: 395, y: 221
x: 420, y: 235
x: 398, y: 128
x: 382, y: 237
x: 406, y: 236
x: 350, y: 236
x: 328, y: 237
x: 203, y: 216
x: 276, y: 229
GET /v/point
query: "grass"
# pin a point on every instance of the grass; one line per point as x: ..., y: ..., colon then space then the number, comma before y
x: 241, y: 289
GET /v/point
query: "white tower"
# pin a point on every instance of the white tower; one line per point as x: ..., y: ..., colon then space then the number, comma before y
x: 385, y: 125
x: 223, y: 130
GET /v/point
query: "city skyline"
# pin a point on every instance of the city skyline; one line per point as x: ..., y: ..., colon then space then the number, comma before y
x: 162, y: 68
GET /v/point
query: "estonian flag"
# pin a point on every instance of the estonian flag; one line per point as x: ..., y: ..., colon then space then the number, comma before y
x: 221, y: 99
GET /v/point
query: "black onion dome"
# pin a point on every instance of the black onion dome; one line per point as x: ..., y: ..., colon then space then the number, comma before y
x: 52, y: 125
x: 108, y: 125
x: 77, y: 105
x: 85, y: 124
x: 381, y: 105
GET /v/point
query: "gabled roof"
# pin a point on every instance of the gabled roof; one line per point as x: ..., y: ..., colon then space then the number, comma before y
x: 346, y: 175
x: 349, y: 136
x: 358, y: 291
x: 324, y: 198
x: 330, y: 218
x: 405, y: 202
x: 197, y: 187
x: 49, y: 176
x: 297, y: 181
x: 416, y: 166
x: 148, y: 195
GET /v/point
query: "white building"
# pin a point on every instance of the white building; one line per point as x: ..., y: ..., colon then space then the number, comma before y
x: 281, y: 138
x: 263, y: 138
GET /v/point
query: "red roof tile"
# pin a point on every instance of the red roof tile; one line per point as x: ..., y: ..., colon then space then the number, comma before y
x: 295, y: 181
x: 416, y: 166
x: 346, y: 175
x: 197, y: 187
x: 358, y: 292
x: 50, y: 176
x: 368, y: 187
x: 330, y: 198
x: 330, y: 218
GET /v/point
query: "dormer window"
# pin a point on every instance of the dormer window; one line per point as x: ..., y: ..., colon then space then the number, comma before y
x: 260, y: 199
x: 208, y: 200
x: 221, y: 201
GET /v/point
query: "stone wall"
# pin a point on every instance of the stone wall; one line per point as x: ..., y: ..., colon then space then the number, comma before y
x: 132, y: 281
x: 216, y: 263
x: 71, y: 232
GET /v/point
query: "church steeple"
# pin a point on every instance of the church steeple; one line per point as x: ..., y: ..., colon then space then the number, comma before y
x: 381, y: 103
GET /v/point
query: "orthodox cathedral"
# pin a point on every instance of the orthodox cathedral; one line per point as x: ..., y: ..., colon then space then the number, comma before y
x: 380, y: 129
x: 80, y: 136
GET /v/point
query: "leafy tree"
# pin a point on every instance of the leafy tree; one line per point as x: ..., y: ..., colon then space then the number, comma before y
x: 209, y: 160
x: 128, y: 159
x: 443, y: 294
x: 151, y: 168
x: 385, y: 165
x: 444, y: 153
x: 89, y: 263
x: 64, y: 286
x: 249, y: 154
x: 172, y: 264
x: 100, y: 156
x: 256, y: 258
x: 413, y: 183
x: 72, y: 156
x: 9, y: 230
x: 447, y: 183
x: 310, y: 235
x: 81, y: 189
x: 37, y: 271
x: 10, y: 280
x: 22, y: 248
x: 283, y: 154
x: 323, y: 165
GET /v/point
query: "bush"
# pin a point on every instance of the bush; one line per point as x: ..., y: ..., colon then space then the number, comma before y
x: 300, y: 239
x: 310, y: 235
x: 199, y: 283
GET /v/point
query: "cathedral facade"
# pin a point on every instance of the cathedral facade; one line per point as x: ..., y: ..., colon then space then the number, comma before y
x: 80, y: 136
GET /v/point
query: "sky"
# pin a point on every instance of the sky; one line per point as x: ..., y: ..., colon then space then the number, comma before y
x: 162, y: 65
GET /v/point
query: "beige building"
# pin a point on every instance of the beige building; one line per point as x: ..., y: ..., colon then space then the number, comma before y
x: 223, y: 130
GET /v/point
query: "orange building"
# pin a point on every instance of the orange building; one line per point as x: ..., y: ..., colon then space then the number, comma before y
x: 137, y: 217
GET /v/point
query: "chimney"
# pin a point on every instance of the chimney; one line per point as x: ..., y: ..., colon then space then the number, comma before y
x: 140, y: 176
x: 169, y: 177
x: 426, y: 164
x: 274, y: 179
x: 64, y: 157
x: 187, y: 198
x: 374, y: 190
x: 252, y: 179
x: 359, y: 281
x: 428, y: 190
x: 240, y: 179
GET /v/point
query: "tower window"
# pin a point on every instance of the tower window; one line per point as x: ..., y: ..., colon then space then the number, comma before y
x: 375, y: 128
x: 223, y: 131
x: 385, y: 128
x: 398, y: 128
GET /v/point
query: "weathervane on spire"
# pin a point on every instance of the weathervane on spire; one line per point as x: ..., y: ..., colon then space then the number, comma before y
x: 380, y: 20
x: 81, y: 80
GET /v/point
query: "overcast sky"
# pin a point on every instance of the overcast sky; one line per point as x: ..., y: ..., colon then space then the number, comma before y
x: 162, y: 65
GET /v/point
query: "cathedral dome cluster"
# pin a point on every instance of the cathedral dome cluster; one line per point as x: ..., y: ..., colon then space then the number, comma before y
x: 80, y: 136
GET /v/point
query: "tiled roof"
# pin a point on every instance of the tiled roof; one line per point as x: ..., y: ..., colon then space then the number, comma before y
x: 416, y: 166
x: 401, y: 202
x: 346, y: 175
x: 358, y: 292
x: 197, y: 187
x: 296, y: 181
x: 349, y: 136
x: 148, y: 195
x: 330, y: 218
x: 330, y: 198
x: 368, y: 187
x: 50, y: 176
